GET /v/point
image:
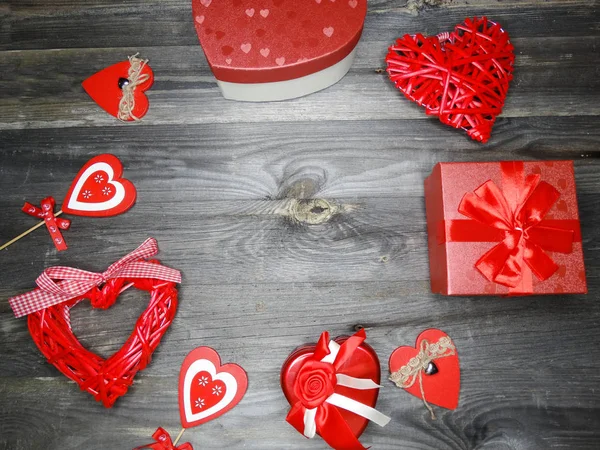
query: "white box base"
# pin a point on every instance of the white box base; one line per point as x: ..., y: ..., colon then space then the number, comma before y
x: 284, y: 90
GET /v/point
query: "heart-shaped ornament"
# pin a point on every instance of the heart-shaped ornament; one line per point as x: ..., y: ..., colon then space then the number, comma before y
x: 98, y: 189
x: 208, y: 389
x: 440, y: 377
x: 105, y: 379
x: 106, y: 88
x: 461, y: 76
x: 363, y: 363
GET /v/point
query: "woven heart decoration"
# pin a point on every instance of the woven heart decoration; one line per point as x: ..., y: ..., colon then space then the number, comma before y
x: 60, y: 288
x: 460, y: 76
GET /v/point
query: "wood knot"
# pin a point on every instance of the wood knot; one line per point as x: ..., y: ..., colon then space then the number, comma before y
x: 312, y: 211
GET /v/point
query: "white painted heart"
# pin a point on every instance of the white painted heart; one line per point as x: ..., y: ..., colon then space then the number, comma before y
x: 206, y: 2
x: 280, y: 61
x: 75, y: 204
x: 265, y: 52
x: 264, y: 12
x: 204, y: 365
x: 246, y: 47
x: 250, y: 12
x: 328, y: 31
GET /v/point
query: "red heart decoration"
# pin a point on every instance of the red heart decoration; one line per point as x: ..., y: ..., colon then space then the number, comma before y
x: 462, y: 76
x: 208, y: 389
x: 98, y: 189
x: 362, y: 364
x: 106, y: 379
x: 441, y: 388
x: 104, y: 89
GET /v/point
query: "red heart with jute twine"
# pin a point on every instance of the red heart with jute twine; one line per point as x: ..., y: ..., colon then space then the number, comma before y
x: 119, y: 89
x: 430, y: 370
x: 106, y: 379
x: 460, y: 76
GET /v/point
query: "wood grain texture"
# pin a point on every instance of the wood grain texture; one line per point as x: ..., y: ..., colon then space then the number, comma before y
x: 228, y: 189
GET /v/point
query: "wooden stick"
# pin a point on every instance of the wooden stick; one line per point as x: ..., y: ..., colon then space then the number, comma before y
x: 178, y: 437
x: 33, y: 228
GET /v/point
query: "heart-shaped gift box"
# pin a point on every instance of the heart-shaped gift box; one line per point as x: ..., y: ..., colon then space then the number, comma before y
x: 333, y: 388
x: 278, y: 49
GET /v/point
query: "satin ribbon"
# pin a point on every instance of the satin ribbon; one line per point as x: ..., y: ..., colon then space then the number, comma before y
x: 326, y: 419
x: 514, y: 216
x: 74, y: 283
x: 54, y: 224
x: 163, y: 441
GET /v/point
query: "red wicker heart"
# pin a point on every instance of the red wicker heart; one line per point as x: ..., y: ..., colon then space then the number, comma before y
x: 462, y: 76
x: 106, y: 379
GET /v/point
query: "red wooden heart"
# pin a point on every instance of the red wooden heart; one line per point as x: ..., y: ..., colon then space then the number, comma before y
x: 104, y: 89
x: 462, y: 76
x: 106, y: 379
x: 98, y: 189
x: 362, y: 364
x: 208, y: 389
x: 442, y: 388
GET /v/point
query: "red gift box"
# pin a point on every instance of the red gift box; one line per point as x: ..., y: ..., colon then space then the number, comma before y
x: 504, y: 228
x: 278, y: 49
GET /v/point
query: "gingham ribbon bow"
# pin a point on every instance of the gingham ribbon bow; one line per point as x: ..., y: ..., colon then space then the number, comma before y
x: 75, y: 282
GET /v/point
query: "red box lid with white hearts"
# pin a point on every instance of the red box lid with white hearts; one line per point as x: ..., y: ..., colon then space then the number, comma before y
x: 256, y: 47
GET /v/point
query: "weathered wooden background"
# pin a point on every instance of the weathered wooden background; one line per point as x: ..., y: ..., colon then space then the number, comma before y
x: 219, y: 184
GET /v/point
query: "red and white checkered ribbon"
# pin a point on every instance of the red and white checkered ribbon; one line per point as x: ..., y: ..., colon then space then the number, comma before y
x: 75, y: 282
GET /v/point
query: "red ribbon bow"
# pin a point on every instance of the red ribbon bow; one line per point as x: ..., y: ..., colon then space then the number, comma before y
x: 331, y: 426
x: 75, y: 282
x: 518, y: 212
x: 163, y: 442
x: 54, y: 224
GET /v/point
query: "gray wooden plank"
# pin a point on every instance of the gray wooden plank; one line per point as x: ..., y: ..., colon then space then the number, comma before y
x: 59, y: 24
x: 543, y: 85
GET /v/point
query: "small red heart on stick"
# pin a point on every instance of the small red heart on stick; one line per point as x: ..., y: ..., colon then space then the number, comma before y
x: 208, y: 389
x: 127, y: 78
x: 430, y: 370
x: 98, y: 189
x: 462, y: 76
